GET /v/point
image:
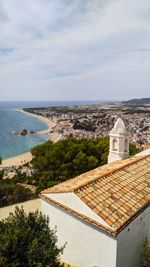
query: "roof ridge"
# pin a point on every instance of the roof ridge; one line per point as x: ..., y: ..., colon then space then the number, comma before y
x: 114, y: 171
x: 105, y: 170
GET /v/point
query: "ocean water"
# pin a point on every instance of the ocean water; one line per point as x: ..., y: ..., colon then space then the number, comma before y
x: 11, y: 120
x: 32, y: 104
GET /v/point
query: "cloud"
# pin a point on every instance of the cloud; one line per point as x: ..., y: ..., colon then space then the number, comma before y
x: 73, y: 47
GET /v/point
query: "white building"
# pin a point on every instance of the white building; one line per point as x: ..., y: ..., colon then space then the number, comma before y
x: 104, y: 214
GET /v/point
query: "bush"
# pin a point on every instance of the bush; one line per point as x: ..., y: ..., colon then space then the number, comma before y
x: 133, y: 149
x: 11, y: 193
x: 27, y: 241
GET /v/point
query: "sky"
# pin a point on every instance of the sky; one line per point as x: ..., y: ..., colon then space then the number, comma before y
x: 74, y: 49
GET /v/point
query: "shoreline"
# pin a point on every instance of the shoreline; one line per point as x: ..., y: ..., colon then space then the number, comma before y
x: 54, y: 137
x: 26, y: 157
x: 49, y: 123
x: 17, y: 161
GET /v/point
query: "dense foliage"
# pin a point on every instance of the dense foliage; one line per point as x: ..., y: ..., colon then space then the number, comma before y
x: 27, y: 241
x: 1, y: 174
x: 11, y: 193
x: 55, y: 163
x: 146, y: 253
x: 68, y: 158
x: 133, y: 150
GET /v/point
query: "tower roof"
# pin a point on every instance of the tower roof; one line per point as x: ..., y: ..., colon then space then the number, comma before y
x: 119, y: 127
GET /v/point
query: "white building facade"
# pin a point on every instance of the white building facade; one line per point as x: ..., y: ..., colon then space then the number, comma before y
x: 86, y: 245
x: 130, y: 240
x: 90, y: 246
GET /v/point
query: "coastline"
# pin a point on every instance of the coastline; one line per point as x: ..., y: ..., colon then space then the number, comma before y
x: 49, y: 123
x: 17, y: 161
x: 26, y: 157
x: 54, y: 137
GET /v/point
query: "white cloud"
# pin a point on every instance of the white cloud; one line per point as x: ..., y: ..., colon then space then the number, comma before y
x: 68, y: 49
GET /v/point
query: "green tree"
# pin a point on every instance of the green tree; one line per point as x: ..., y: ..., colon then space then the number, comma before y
x: 11, y: 193
x: 133, y: 149
x: 68, y: 158
x: 1, y: 174
x: 145, y: 253
x: 27, y: 241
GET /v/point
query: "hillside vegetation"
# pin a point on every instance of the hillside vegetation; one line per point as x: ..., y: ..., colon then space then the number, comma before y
x: 12, y: 193
x: 55, y: 163
x: 140, y: 101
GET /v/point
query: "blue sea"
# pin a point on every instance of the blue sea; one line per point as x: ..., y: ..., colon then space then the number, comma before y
x: 12, y: 120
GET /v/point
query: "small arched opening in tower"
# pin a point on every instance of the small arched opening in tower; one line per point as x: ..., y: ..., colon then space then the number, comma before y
x: 114, y: 144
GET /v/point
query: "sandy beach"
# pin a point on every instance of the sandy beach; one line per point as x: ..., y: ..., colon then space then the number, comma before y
x: 54, y: 137
x: 21, y: 159
x: 17, y: 160
x: 49, y: 123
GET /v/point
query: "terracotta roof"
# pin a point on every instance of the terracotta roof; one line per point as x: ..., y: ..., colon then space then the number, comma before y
x: 117, y: 192
x: 91, y: 176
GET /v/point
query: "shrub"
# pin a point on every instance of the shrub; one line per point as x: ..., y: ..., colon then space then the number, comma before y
x: 27, y: 241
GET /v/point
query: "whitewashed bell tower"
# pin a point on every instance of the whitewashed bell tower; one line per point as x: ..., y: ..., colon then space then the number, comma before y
x: 119, y: 142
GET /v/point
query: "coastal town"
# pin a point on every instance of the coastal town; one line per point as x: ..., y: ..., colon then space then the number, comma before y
x: 92, y: 121
x: 82, y: 121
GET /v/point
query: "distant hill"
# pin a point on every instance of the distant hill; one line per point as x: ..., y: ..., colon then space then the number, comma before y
x: 140, y: 101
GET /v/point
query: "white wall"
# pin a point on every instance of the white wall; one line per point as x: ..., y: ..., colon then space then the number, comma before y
x: 131, y: 239
x: 143, y: 153
x: 74, y: 202
x: 87, y: 246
